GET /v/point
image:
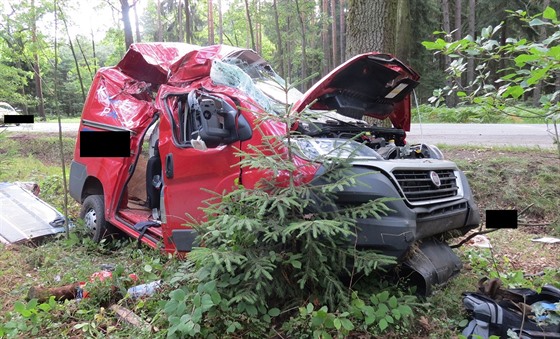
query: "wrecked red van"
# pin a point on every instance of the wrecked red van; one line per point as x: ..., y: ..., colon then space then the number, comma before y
x: 188, y: 108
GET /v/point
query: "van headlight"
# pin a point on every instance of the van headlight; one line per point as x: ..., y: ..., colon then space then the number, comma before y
x: 321, y: 149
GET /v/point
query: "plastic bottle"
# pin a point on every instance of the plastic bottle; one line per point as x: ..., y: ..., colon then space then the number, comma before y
x: 144, y: 289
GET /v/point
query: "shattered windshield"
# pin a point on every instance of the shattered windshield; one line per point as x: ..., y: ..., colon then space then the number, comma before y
x: 251, y: 74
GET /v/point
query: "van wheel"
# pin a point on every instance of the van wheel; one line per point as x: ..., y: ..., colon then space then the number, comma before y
x: 93, y: 214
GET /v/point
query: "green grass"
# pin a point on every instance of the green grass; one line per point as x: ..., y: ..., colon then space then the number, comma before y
x: 54, y: 119
x: 477, y: 114
x: 510, y: 177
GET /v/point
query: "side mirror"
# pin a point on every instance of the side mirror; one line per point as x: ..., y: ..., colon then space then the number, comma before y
x: 213, y: 130
x: 219, y: 123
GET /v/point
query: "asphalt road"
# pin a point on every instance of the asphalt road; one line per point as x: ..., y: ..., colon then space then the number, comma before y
x: 532, y: 135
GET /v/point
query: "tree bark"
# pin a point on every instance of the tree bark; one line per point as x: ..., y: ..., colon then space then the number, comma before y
x: 367, y: 27
x: 125, y: 9
x: 472, y: 33
x: 403, y: 31
x: 458, y: 19
x: 370, y: 27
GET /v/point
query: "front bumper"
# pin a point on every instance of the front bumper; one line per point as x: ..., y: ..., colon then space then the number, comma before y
x: 394, y: 233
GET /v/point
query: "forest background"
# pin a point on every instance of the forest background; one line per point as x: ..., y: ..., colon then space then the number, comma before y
x: 299, y: 37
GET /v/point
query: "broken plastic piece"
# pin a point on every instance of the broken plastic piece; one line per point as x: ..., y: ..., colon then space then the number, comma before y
x: 547, y: 240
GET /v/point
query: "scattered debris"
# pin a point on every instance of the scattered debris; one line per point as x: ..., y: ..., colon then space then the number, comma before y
x: 518, y: 311
x: 481, y: 241
x: 144, y: 289
x: 130, y: 317
x: 547, y: 240
x: 23, y: 216
x: 61, y: 293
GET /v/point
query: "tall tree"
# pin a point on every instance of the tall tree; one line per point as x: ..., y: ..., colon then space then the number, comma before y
x: 325, y: 37
x: 188, y: 22
x: 303, y: 32
x: 137, y: 25
x: 36, y: 65
x: 537, y: 92
x: 220, y: 23
x: 370, y: 26
x: 250, y: 26
x: 78, y: 72
x: 334, y: 43
x: 472, y: 33
x: 449, y: 99
x: 125, y: 9
x: 180, y: 36
x: 279, y: 43
x: 342, y: 29
x: 458, y: 19
x: 210, y: 22
x: 159, y: 29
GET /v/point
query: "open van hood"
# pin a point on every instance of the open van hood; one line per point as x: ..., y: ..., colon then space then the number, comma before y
x: 371, y: 84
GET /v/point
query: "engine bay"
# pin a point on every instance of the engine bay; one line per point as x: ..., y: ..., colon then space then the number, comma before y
x: 389, y: 143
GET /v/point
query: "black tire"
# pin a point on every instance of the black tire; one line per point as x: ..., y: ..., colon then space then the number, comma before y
x: 93, y: 215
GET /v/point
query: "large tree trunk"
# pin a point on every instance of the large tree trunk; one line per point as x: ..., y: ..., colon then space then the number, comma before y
x: 125, y: 9
x: 371, y: 27
x: 368, y: 27
x: 36, y: 66
x: 472, y: 33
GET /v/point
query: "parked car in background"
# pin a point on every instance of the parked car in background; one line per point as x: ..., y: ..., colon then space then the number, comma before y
x: 6, y: 109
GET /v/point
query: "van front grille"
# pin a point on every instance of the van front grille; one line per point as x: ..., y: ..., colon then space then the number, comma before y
x: 418, y: 186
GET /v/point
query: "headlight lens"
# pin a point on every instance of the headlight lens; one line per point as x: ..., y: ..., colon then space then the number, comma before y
x: 320, y: 149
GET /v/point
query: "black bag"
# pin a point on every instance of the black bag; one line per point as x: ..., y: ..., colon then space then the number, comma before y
x: 527, y: 313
